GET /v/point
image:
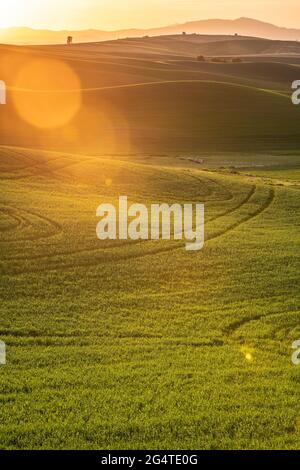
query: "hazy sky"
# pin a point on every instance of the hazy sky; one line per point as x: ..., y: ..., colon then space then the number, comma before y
x: 118, y: 14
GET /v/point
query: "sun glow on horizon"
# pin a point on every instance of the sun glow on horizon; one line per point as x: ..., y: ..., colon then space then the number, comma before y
x: 14, y: 13
x: 123, y: 14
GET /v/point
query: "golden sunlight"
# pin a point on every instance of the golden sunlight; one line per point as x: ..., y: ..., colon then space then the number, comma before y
x: 47, y: 93
x: 248, y: 353
x: 14, y: 13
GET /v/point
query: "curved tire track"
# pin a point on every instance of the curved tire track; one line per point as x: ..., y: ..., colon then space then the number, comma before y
x: 151, y: 252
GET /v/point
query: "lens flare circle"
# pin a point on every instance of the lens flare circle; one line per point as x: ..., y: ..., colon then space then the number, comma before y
x: 47, y: 93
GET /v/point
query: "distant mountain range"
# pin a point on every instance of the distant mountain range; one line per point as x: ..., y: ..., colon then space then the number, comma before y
x: 240, y: 26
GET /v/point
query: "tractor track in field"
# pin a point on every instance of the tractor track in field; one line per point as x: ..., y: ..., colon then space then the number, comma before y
x: 259, y: 211
x: 56, y: 229
x: 231, y: 329
x: 243, y: 202
x: 122, y: 244
x: 151, y: 252
x: 8, y: 211
x: 229, y: 194
x: 24, y: 222
x: 43, y: 169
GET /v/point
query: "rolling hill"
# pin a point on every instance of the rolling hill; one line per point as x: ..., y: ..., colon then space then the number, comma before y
x: 193, y: 45
x: 133, y: 345
x: 148, y: 118
x: 139, y: 344
x: 241, y: 26
x: 138, y: 96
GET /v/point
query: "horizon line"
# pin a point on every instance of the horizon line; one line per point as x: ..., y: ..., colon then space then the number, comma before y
x: 136, y: 28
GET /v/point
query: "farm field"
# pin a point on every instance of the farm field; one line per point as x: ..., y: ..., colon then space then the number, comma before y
x: 125, y: 103
x: 143, y: 345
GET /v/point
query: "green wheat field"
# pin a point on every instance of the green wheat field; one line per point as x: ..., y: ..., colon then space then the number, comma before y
x: 143, y: 345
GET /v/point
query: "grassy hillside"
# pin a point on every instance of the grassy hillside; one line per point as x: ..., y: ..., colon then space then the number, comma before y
x: 145, y: 102
x: 144, y: 345
x: 208, y: 45
x: 168, y: 116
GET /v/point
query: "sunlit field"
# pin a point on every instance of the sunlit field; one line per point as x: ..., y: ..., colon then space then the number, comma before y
x: 141, y: 344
